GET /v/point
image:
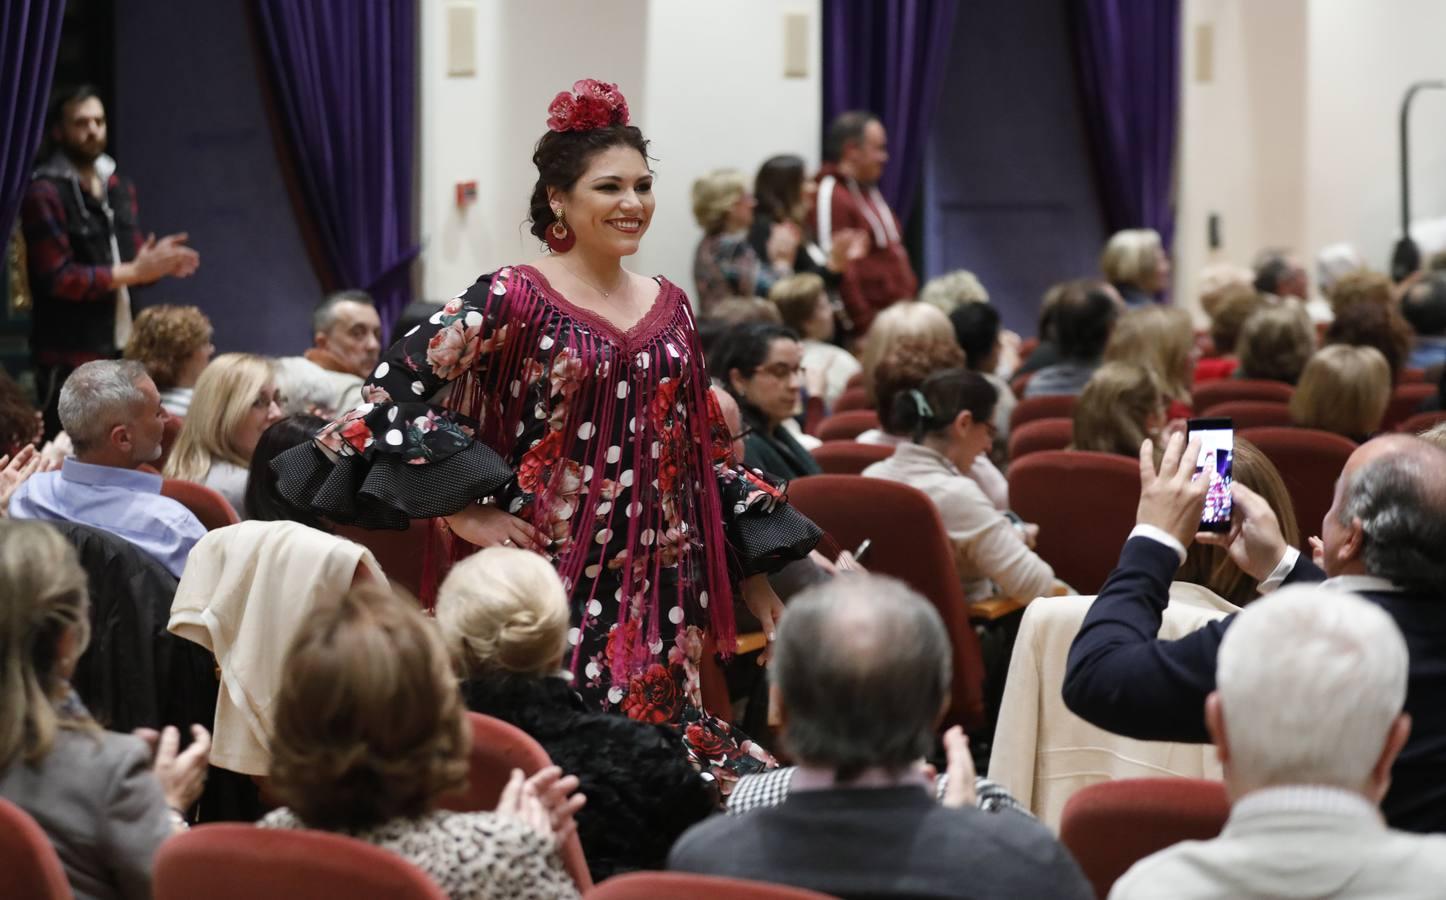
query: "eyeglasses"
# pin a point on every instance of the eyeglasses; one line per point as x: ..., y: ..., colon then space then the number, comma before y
x: 781, y: 371
x: 264, y: 401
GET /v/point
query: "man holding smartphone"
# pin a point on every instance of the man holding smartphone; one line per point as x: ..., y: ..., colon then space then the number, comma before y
x: 1382, y: 539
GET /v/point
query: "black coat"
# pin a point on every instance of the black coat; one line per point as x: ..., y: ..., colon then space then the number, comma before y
x: 642, y: 793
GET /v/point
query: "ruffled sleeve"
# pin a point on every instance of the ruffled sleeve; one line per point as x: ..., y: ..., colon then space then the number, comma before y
x: 398, y: 456
x: 764, y: 532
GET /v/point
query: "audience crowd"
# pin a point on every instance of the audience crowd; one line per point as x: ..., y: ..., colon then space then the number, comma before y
x: 1321, y: 696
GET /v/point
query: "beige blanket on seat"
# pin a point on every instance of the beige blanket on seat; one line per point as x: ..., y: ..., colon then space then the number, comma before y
x: 1042, y: 752
x: 245, y: 590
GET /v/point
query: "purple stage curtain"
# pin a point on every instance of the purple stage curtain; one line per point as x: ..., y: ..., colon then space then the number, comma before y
x: 345, y: 73
x: 888, y: 57
x: 29, y: 40
x: 1128, y: 57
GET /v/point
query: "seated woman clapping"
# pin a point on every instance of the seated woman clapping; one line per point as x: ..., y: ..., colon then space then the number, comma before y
x: 370, y: 732
x: 504, y: 617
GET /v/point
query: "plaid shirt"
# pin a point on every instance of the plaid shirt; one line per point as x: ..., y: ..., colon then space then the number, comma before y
x: 767, y: 789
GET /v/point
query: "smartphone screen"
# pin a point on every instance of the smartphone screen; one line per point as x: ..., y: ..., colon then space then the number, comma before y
x: 1217, y: 457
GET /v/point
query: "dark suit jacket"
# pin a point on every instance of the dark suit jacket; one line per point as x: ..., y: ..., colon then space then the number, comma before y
x: 1123, y: 679
x: 867, y: 843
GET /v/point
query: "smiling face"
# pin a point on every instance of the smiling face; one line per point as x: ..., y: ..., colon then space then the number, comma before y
x: 611, y: 205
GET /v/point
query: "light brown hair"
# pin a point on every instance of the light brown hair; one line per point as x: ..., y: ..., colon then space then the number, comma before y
x: 905, y: 319
x: 1234, y: 304
x: 369, y: 724
x: 1274, y: 343
x: 225, y: 393
x: 1360, y: 286
x: 1159, y: 338
x: 1343, y: 389
x: 714, y: 195
x: 1112, y: 412
x: 162, y: 339
x: 797, y: 299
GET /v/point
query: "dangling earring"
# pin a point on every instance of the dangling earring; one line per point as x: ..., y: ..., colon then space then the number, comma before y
x: 560, y: 238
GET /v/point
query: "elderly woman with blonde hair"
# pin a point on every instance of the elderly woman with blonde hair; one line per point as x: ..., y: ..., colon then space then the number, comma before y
x: 1345, y: 390
x: 725, y: 263
x: 1135, y: 262
x: 369, y: 734
x: 504, y: 617
x: 235, y: 401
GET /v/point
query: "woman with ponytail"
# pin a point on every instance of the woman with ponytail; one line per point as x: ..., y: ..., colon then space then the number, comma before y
x: 504, y: 617
x: 949, y: 422
x: 579, y: 426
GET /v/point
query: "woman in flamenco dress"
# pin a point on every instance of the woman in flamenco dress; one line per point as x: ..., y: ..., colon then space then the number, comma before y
x: 577, y: 422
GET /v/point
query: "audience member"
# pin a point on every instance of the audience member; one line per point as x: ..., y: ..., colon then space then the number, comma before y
x: 1084, y: 316
x: 16, y: 470
x: 106, y: 801
x: 906, y: 320
x: 1306, y: 716
x: 976, y: 329
x: 1424, y: 308
x: 174, y: 344
x: 1120, y: 407
x: 804, y: 307
x: 262, y: 500
x: 1232, y: 306
x: 1046, y: 352
x: 1280, y: 274
x: 952, y: 290
x: 346, y: 343
x: 948, y: 420
x: 1210, y: 565
x: 113, y: 414
x: 854, y: 153
x: 1333, y: 263
x: 1162, y: 340
x: 1343, y: 389
x: 861, y: 678
x: 1382, y: 539
x: 1136, y: 264
x: 369, y: 731
x: 724, y: 263
x: 85, y: 249
x: 236, y: 400
x: 785, y: 194
x: 1374, y: 325
x: 1362, y: 286
x: 761, y: 365
x: 1274, y: 344
x: 1219, y: 278
x: 503, y: 615
x: 305, y: 387
x: 20, y: 423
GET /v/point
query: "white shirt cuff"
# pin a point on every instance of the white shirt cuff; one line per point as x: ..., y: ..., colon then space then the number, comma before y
x: 1282, y: 569
x: 1161, y: 536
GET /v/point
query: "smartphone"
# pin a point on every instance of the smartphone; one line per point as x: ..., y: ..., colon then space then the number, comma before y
x: 1217, y: 458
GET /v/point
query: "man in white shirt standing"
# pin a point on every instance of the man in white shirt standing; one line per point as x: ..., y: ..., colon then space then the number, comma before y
x: 1307, y: 719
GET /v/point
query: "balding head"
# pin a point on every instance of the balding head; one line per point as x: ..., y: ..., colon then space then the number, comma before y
x: 1388, y: 517
x: 862, y: 669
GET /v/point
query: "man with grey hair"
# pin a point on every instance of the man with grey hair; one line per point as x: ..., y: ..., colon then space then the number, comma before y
x: 1306, y: 716
x: 346, y: 335
x: 861, y: 675
x: 112, y: 412
x: 1384, y: 538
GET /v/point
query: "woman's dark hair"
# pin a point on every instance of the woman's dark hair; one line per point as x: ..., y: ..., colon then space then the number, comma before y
x: 744, y: 347
x: 17, y: 417
x: 778, y: 187
x: 976, y: 328
x: 264, y: 502
x: 562, y: 156
x: 944, y: 396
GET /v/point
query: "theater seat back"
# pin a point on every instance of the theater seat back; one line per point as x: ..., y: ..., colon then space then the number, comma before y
x: 1084, y: 504
x: 29, y: 866
x: 1309, y: 461
x: 849, y: 457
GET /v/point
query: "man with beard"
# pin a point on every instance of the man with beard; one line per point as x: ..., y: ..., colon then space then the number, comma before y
x: 85, y: 249
x: 855, y: 152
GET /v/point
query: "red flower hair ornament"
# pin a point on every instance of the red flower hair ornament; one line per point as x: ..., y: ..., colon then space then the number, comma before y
x: 591, y: 104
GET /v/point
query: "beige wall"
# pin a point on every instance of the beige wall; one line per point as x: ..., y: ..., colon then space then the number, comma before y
x: 704, y: 82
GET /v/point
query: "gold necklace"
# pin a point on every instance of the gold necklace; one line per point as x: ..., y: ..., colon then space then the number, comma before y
x: 607, y: 295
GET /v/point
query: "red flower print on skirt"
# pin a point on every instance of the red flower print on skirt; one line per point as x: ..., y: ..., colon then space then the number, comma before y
x: 653, y: 696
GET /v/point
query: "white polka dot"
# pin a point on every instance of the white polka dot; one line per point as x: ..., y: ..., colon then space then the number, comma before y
x: 516, y: 505
x: 675, y: 615
x: 392, y: 414
x: 594, y: 608
x: 498, y: 287
x: 646, y: 538
x: 585, y: 431
x: 615, y: 695
x: 414, y: 330
x: 546, y: 342
x: 419, y: 421
x: 473, y: 319
x: 382, y: 370
x: 566, y: 512
x: 656, y: 449
x: 574, y: 636
x: 604, y: 507
x: 634, y: 509
x: 591, y: 671
x: 622, y: 390
x: 626, y: 479
x: 437, y: 318
x: 418, y: 388
x: 703, y: 599
x: 644, y: 360
x: 656, y: 646
x: 538, y: 412
x: 615, y: 453
x: 587, y: 473
x: 592, y: 570
x: 672, y: 351
x: 394, y: 437
x: 516, y: 388
x: 632, y: 426
x: 520, y: 428
x: 604, y: 536
x: 364, y: 409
